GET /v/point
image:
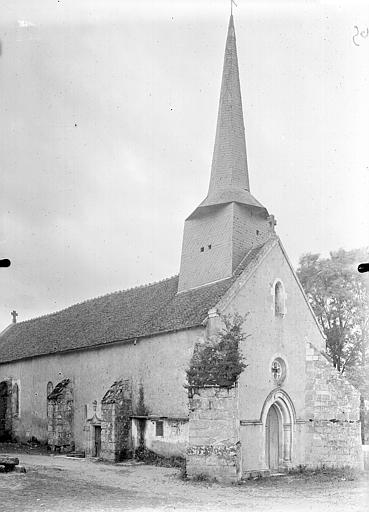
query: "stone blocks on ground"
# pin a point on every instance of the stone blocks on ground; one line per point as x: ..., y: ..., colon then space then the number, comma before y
x: 8, y: 463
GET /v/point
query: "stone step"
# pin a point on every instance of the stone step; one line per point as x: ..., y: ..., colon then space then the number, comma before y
x: 8, y: 459
x: 8, y: 463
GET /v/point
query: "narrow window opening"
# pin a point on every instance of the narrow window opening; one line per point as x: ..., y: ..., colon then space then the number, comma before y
x: 257, y: 232
x: 202, y: 249
x: 16, y: 399
x: 279, y: 300
x: 159, y: 429
x: 49, y: 389
x: 209, y: 247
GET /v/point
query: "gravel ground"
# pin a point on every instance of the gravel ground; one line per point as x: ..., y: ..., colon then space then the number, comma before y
x: 61, y: 484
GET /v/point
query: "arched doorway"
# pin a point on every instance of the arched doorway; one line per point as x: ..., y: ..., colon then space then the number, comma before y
x: 5, y: 411
x: 272, y: 427
x: 278, y: 417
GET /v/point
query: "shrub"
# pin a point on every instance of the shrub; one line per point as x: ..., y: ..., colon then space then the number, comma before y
x: 218, y: 361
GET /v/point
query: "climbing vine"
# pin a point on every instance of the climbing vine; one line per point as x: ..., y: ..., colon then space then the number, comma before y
x: 141, y: 409
x: 218, y: 361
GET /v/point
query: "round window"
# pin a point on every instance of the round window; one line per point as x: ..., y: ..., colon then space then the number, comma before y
x: 278, y: 370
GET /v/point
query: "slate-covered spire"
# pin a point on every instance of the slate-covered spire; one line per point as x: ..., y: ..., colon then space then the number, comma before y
x: 230, y: 221
x: 229, y: 179
x: 229, y: 167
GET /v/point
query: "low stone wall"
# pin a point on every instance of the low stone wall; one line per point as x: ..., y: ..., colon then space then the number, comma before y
x: 171, y: 442
x: 333, y: 429
x: 214, y: 449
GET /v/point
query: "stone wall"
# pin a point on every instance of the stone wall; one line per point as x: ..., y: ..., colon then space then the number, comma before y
x: 61, y: 417
x: 214, y: 449
x: 6, y: 411
x: 116, y: 412
x: 333, y: 429
x: 93, y: 371
x: 226, y: 233
x: 171, y: 441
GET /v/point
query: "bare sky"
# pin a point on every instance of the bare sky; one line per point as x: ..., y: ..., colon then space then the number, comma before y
x: 107, y: 119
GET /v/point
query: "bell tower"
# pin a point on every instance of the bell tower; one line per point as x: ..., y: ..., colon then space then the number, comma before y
x: 229, y: 221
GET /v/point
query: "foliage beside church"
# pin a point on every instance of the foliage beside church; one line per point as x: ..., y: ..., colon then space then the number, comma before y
x: 218, y: 361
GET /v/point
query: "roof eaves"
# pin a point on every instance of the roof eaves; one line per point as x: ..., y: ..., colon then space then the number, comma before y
x: 6, y: 329
x: 102, y: 345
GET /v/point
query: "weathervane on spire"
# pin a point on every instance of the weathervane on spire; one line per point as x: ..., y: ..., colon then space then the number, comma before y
x: 233, y: 2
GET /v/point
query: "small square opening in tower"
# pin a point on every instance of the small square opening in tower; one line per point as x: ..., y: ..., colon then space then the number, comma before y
x: 159, y: 430
x: 202, y: 249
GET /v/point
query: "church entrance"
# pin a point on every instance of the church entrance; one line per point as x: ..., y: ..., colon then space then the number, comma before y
x: 272, y: 439
x: 5, y: 412
x: 278, y: 417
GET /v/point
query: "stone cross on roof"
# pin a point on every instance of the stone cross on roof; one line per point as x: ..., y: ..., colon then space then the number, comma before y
x: 14, y: 315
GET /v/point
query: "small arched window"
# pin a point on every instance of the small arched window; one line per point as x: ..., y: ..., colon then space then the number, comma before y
x: 16, y: 399
x: 49, y: 388
x: 279, y: 300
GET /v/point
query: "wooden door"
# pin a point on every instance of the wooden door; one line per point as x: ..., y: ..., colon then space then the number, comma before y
x: 97, y: 441
x: 272, y: 439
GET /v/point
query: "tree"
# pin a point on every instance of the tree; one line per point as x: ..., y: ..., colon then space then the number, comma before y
x: 218, y: 361
x: 339, y: 296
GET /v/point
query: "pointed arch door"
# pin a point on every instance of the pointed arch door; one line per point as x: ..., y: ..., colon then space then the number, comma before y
x: 272, y: 428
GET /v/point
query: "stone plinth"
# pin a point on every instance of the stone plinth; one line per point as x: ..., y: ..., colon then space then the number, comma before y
x: 214, y: 450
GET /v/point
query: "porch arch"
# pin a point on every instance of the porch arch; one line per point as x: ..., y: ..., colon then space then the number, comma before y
x: 283, y: 406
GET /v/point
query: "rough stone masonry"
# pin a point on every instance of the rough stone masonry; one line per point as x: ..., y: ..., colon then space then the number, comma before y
x: 214, y: 434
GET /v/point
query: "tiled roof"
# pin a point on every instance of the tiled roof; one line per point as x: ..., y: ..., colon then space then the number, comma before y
x: 119, y: 316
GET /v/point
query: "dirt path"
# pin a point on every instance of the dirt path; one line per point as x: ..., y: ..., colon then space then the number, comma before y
x: 56, y: 484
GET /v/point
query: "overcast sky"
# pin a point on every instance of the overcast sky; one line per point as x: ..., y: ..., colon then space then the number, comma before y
x: 107, y: 123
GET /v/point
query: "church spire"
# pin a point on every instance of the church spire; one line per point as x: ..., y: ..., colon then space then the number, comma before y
x: 229, y: 166
x: 229, y: 180
x: 230, y: 221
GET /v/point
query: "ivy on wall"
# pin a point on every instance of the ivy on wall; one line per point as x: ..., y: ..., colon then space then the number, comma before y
x: 141, y: 409
x: 218, y: 361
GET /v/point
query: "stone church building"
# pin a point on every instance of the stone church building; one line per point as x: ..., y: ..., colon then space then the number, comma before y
x: 107, y: 375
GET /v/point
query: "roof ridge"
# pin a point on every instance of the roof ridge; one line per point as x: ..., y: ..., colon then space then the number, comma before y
x: 236, y: 272
x: 92, y: 299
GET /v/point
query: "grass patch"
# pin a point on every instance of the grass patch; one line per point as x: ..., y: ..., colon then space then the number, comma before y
x: 149, y: 457
x: 328, y: 473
